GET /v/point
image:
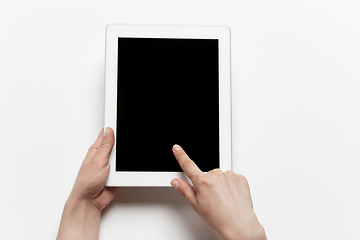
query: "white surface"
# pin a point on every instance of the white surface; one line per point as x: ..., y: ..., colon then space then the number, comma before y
x: 296, y: 114
x: 113, y: 32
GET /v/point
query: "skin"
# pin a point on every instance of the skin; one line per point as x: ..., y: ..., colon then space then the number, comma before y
x: 222, y: 200
x: 89, y: 196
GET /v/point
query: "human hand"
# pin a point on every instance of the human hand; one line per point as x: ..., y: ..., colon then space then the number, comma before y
x: 222, y: 200
x: 82, y: 211
x: 90, y: 184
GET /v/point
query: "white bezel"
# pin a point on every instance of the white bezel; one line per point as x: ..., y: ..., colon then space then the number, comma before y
x: 113, y: 32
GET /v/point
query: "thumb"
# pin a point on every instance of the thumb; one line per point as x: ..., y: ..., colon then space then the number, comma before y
x: 186, y: 190
x: 103, y: 153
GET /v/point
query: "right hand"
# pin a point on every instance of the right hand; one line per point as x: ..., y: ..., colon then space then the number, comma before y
x: 222, y: 200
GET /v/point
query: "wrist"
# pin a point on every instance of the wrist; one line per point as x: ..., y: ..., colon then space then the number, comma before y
x: 76, y: 201
x: 254, y: 233
x: 80, y: 220
x: 81, y: 208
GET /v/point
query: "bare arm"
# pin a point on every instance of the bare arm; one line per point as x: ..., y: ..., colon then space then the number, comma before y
x: 89, y: 196
x: 221, y: 199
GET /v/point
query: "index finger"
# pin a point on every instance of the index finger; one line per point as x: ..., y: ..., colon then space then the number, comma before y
x: 187, y: 165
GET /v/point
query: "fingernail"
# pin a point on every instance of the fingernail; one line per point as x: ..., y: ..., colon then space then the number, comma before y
x: 175, y: 184
x: 107, y: 132
x: 176, y: 148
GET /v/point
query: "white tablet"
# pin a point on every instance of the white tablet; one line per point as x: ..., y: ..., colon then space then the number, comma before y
x: 167, y: 85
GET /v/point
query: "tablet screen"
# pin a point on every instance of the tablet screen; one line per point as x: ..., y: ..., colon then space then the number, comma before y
x: 168, y: 93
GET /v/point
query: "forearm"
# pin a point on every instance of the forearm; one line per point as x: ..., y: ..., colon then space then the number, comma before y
x: 80, y: 220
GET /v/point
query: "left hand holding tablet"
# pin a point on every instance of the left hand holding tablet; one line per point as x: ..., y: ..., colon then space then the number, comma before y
x: 82, y: 212
x: 90, y: 184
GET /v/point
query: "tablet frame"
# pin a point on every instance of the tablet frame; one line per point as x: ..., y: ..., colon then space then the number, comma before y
x: 113, y: 32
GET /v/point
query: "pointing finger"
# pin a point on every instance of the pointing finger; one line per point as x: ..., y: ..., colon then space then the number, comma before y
x: 186, y: 164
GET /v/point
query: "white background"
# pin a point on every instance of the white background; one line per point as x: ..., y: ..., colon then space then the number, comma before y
x: 296, y: 114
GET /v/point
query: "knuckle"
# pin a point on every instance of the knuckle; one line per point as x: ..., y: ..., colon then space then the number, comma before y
x: 92, y: 148
x: 105, y: 144
x: 242, y: 177
x: 243, y: 180
x: 230, y: 173
x: 185, y: 192
x: 217, y: 172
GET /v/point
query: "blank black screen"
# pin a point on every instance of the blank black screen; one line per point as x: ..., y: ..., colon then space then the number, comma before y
x: 168, y: 93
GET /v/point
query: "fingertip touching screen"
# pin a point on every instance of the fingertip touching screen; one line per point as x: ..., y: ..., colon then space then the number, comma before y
x: 167, y: 93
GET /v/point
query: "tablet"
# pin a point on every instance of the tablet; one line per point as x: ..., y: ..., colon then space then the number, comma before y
x: 166, y: 85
